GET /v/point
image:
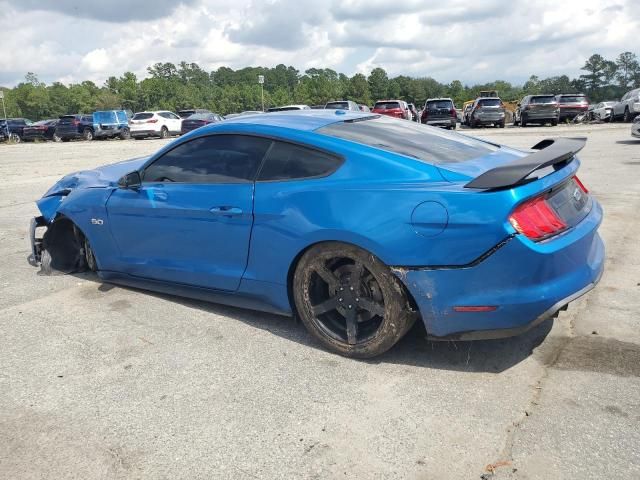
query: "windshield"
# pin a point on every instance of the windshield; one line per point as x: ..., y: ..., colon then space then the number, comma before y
x: 544, y: 99
x: 105, y: 117
x: 573, y: 99
x: 337, y: 105
x: 386, y: 105
x: 411, y: 139
x: 199, y: 116
x: 490, y: 102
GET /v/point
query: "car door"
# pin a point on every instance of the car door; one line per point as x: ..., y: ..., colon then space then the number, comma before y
x: 190, y: 221
x: 174, y: 122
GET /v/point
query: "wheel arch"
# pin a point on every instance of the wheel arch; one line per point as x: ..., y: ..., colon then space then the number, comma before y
x: 296, y: 260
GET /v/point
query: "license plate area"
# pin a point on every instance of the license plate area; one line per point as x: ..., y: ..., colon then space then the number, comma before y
x: 571, y: 203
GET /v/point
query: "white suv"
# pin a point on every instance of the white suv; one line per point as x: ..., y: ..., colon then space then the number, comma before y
x: 628, y: 106
x: 160, y: 124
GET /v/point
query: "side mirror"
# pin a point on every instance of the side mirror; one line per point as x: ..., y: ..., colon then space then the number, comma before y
x: 131, y: 181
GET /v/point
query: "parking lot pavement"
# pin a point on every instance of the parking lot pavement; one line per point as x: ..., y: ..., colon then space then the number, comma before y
x: 98, y: 381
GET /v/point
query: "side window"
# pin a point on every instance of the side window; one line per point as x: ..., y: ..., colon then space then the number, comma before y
x: 212, y: 159
x: 122, y: 117
x: 287, y: 161
x: 173, y: 116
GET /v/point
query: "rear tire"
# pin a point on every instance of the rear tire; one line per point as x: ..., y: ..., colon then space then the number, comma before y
x: 554, y: 123
x: 125, y: 134
x: 350, y: 301
x: 164, y: 133
x: 523, y: 120
x: 56, y: 138
x: 87, y: 134
x: 627, y: 115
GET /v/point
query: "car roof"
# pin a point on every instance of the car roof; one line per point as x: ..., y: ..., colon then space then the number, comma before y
x: 306, y: 120
x: 439, y: 98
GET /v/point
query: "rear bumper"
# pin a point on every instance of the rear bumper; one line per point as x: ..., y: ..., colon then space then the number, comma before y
x: 445, y: 122
x: 537, y: 116
x: 144, y: 133
x: 525, y: 281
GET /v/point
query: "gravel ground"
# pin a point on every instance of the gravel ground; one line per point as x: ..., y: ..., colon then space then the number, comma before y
x: 98, y: 381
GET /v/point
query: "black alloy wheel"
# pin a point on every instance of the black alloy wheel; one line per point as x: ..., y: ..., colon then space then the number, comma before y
x: 350, y: 300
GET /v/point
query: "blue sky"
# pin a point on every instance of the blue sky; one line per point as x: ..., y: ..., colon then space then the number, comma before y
x: 70, y: 41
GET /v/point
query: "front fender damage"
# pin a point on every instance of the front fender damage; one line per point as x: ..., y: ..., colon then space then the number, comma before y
x: 59, y: 249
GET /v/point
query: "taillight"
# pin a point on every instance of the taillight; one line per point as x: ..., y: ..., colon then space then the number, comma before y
x: 453, y: 112
x: 75, y: 122
x: 580, y: 184
x: 536, y: 219
x: 153, y: 120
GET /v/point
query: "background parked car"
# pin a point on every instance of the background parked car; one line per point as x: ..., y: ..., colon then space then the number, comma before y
x: 42, y: 130
x: 190, y: 111
x: 342, y: 105
x: 537, y: 109
x: 466, y: 113
x: 635, y: 127
x: 364, y: 108
x: 286, y: 108
x: 70, y: 127
x: 110, y: 124
x: 392, y: 108
x: 628, y: 106
x: 602, y: 111
x: 487, y: 111
x: 13, y: 128
x: 439, y: 112
x: 198, y: 120
x: 414, y: 112
x: 159, y: 124
x: 571, y: 104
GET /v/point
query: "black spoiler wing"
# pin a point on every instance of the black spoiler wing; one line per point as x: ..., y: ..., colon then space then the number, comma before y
x: 551, y: 152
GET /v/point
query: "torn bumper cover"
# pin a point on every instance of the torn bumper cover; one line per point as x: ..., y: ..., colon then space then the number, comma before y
x: 523, y: 282
x: 35, y: 257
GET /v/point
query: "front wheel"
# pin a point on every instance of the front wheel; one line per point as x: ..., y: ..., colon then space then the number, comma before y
x: 56, y: 138
x: 523, y: 121
x: 125, y: 134
x: 14, y: 138
x: 350, y: 301
x: 627, y: 115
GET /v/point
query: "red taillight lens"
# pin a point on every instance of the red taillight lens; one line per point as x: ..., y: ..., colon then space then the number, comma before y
x: 453, y: 112
x: 536, y: 219
x: 153, y: 120
x: 580, y: 184
x: 75, y: 122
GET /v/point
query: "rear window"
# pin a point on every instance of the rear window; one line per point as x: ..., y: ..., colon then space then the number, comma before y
x: 337, y: 105
x: 386, y: 105
x: 543, y: 99
x: 411, y: 139
x: 67, y: 119
x: 573, y: 99
x: 142, y: 116
x: 438, y: 104
x: 490, y: 102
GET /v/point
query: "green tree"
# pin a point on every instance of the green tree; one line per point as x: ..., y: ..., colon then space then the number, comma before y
x: 378, y: 84
x: 627, y: 69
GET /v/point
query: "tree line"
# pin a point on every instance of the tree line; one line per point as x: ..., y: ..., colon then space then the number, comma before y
x: 225, y: 90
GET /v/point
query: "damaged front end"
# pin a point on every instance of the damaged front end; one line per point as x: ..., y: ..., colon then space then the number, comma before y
x: 60, y: 247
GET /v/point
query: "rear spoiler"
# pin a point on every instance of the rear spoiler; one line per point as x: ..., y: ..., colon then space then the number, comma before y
x: 551, y: 152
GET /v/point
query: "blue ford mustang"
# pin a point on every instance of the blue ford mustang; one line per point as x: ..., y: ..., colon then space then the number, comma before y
x: 358, y: 223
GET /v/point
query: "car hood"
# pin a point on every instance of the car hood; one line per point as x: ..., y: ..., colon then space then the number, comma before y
x: 101, y: 177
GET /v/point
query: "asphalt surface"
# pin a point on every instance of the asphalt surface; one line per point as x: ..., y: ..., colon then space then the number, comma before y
x: 103, y: 382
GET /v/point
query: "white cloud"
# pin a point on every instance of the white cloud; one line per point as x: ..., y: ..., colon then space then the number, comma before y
x: 454, y: 39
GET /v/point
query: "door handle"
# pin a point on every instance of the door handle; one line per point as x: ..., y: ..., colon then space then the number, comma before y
x: 226, y: 211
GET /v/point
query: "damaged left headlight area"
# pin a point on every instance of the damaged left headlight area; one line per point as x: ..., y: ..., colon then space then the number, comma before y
x: 58, y: 246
